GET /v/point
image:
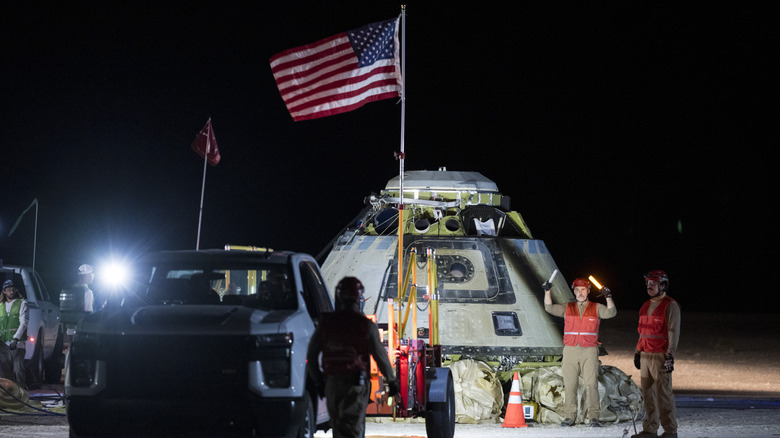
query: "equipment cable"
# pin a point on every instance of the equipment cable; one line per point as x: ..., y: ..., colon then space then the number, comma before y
x: 44, y: 411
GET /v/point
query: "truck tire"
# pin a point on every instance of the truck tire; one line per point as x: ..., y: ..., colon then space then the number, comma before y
x: 52, y: 368
x: 440, y: 416
x: 309, y: 421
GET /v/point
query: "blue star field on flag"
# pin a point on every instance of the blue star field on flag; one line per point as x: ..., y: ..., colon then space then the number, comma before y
x: 373, y: 41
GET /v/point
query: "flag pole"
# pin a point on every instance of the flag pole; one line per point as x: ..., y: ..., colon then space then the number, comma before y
x: 401, y: 159
x: 35, y: 235
x: 203, y: 186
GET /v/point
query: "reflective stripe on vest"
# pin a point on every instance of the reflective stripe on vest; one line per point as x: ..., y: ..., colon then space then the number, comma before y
x: 654, y: 328
x: 582, y: 330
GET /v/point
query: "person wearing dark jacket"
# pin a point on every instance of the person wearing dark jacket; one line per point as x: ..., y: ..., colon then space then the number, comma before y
x: 346, y: 338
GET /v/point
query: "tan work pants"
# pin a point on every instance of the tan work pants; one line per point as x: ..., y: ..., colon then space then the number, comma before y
x: 581, y: 361
x: 657, y: 393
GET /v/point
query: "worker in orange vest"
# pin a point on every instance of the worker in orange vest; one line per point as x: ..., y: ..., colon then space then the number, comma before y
x: 659, y: 333
x: 580, y: 347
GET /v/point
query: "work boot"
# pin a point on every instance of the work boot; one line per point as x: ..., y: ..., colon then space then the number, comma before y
x: 594, y: 423
x: 644, y: 434
x: 567, y: 422
x: 669, y: 435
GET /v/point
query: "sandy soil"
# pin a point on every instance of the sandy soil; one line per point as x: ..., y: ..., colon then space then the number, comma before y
x: 732, y: 355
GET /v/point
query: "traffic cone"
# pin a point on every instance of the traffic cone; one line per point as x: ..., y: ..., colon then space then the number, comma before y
x: 515, y: 415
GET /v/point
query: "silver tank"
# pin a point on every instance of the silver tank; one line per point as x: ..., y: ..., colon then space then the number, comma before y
x: 489, y: 266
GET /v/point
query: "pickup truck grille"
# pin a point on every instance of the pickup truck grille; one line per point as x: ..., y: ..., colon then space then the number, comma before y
x: 174, y: 367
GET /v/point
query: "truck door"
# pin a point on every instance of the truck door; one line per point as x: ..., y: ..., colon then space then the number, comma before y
x: 315, y: 294
x: 50, y: 310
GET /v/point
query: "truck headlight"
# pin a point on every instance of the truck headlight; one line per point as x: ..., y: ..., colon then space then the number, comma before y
x: 83, y: 361
x: 274, y: 352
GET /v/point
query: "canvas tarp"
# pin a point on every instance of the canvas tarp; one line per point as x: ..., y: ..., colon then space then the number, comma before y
x: 479, y: 396
x: 620, y: 397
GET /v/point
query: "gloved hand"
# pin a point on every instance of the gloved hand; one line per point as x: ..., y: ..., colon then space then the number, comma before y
x: 669, y: 363
x: 546, y: 286
x: 606, y: 292
x: 12, y: 345
x: 393, y: 388
x: 637, y: 360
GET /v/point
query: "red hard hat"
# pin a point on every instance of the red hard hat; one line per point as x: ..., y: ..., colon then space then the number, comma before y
x: 350, y: 289
x: 657, y: 276
x: 580, y: 282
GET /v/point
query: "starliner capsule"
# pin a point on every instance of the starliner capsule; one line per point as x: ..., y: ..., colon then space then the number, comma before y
x: 488, y: 267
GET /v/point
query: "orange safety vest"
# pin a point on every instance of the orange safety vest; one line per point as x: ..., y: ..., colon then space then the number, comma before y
x: 653, y: 328
x: 581, y: 330
x: 344, y: 342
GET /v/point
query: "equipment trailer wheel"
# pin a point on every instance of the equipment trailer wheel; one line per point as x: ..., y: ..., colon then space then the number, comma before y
x: 440, y: 417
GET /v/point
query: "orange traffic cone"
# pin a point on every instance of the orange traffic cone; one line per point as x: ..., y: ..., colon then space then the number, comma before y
x: 515, y: 415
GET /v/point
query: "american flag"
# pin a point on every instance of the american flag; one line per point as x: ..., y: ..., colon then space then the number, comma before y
x: 340, y: 73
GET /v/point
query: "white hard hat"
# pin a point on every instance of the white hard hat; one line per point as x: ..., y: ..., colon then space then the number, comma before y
x: 85, y: 269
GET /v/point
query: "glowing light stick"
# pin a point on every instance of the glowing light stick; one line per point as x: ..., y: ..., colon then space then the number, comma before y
x: 594, y: 281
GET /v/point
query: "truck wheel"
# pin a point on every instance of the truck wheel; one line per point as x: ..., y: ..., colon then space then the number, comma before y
x: 309, y: 421
x: 440, y: 417
x: 52, y: 372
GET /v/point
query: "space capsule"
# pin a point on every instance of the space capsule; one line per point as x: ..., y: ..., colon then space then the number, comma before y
x: 489, y: 267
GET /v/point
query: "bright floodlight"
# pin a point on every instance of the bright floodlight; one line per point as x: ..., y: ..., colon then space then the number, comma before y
x: 114, y: 274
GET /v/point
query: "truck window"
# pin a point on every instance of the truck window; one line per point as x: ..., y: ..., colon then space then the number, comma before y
x: 315, y: 294
x: 42, y: 293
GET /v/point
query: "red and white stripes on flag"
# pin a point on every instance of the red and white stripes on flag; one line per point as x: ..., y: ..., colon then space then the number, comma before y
x: 340, y: 73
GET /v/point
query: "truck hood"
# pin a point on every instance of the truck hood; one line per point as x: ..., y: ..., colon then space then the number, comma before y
x: 184, y: 320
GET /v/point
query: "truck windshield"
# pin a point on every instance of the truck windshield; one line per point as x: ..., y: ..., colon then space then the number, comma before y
x: 267, y: 287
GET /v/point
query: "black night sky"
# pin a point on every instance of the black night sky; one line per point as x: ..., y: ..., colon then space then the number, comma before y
x: 630, y: 136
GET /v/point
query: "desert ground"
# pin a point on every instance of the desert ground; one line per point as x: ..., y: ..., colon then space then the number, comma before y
x: 726, y: 378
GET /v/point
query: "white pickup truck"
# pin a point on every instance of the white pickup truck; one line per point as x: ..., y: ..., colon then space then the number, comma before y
x: 44, y: 346
x: 210, y: 342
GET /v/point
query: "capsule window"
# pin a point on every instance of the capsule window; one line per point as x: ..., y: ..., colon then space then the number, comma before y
x: 506, y: 324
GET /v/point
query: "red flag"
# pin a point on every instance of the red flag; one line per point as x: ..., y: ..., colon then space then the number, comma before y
x: 340, y: 73
x: 205, y: 144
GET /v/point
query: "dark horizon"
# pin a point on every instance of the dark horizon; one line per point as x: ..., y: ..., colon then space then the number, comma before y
x: 629, y: 137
